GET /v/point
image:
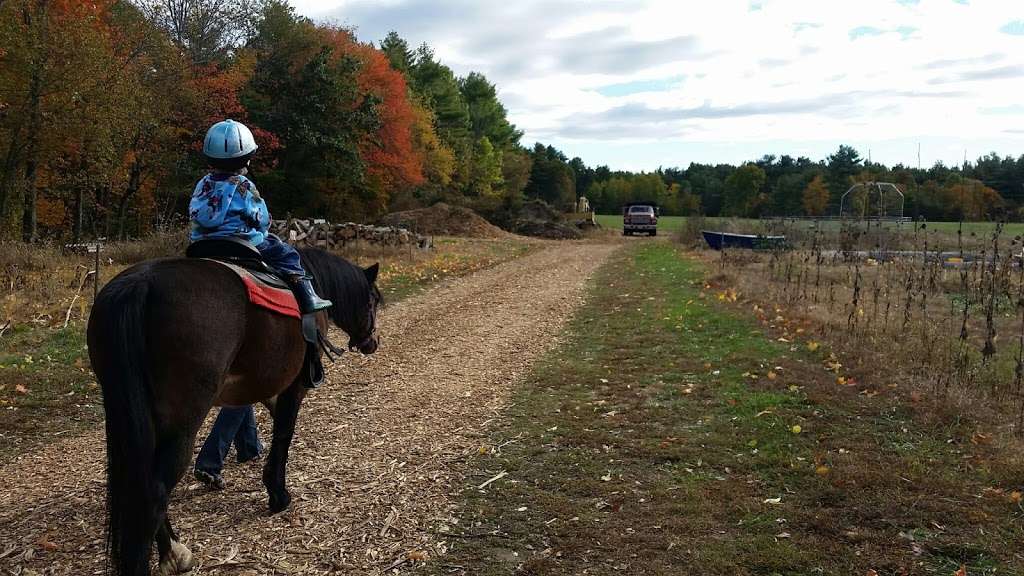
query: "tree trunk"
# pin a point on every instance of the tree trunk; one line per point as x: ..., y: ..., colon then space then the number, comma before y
x: 134, y: 182
x: 35, y: 96
x: 29, y: 222
x: 76, y: 225
x: 7, y: 181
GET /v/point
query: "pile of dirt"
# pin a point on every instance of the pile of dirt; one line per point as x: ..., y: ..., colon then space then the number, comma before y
x: 443, y: 220
x: 536, y: 218
x: 546, y: 229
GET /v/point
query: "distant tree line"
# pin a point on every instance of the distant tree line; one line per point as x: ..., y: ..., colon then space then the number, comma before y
x: 103, y: 106
x: 990, y: 188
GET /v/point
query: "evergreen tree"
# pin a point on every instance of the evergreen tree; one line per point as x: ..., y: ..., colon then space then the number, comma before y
x: 488, y: 117
x: 398, y: 52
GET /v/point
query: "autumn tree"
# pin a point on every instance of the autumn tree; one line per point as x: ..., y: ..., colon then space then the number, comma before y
x: 969, y: 199
x: 393, y: 164
x: 58, y: 68
x: 815, y: 197
x: 437, y: 160
x: 306, y: 92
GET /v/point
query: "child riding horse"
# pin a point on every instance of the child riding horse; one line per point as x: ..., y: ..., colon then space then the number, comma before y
x: 168, y: 340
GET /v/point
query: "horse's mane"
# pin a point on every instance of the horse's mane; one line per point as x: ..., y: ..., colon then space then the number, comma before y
x: 341, y: 281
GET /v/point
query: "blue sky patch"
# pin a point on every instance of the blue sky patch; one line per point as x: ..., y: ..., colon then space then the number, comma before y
x: 638, y: 86
x: 905, y: 31
x: 862, y: 31
x: 1015, y: 28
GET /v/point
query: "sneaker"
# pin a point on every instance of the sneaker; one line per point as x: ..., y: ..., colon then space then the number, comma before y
x: 213, y: 481
x: 258, y: 456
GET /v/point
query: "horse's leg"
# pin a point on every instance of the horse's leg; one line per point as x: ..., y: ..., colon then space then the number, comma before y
x: 173, y: 455
x: 286, y: 412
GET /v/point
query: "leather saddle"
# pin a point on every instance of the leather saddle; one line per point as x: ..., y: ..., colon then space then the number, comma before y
x: 244, y: 255
x: 240, y: 253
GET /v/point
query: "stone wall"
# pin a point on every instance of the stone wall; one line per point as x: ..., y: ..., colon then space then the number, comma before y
x: 320, y: 234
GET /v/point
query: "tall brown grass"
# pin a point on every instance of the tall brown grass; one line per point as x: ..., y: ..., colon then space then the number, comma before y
x: 946, y: 318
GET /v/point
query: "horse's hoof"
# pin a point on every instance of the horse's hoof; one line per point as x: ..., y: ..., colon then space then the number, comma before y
x: 279, y: 502
x: 179, y: 559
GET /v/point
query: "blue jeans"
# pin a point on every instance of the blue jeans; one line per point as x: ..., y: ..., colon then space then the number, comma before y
x: 233, y: 425
x: 281, y: 255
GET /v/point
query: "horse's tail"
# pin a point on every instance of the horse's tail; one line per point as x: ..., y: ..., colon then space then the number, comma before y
x: 117, y: 346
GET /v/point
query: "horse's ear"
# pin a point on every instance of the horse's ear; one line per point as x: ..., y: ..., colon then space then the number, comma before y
x: 371, y: 273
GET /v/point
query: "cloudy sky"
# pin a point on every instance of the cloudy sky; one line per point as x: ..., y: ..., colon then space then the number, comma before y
x: 638, y: 84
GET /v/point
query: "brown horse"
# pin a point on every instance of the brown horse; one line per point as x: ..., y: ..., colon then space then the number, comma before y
x: 168, y: 340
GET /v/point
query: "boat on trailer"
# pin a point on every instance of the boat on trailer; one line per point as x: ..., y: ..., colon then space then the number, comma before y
x: 720, y: 240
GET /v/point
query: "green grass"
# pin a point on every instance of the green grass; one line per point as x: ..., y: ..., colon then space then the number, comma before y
x: 753, y: 225
x: 665, y: 223
x: 655, y: 441
x: 47, y: 390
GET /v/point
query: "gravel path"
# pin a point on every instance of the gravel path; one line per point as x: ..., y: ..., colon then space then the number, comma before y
x: 377, y: 457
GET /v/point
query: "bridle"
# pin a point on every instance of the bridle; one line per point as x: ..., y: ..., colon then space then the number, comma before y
x: 355, y: 347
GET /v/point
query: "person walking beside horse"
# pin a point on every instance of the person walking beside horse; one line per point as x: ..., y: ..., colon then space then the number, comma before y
x: 169, y: 339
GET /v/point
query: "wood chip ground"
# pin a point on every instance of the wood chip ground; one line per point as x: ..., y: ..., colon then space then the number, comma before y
x: 377, y: 458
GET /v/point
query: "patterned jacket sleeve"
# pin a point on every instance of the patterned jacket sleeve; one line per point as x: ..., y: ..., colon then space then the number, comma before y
x: 257, y: 208
x: 210, y: 203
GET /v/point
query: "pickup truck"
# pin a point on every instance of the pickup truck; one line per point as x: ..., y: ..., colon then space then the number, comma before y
x: 639, y: 218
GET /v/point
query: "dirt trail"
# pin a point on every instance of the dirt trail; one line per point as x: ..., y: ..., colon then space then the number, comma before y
x: 378, y: 452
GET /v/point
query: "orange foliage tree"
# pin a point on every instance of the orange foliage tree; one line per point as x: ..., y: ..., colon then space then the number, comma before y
x: 392, y: 161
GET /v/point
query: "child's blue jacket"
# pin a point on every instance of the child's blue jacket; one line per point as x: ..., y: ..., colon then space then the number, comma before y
x: 228, y: 205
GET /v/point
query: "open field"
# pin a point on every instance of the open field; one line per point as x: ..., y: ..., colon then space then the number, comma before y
x: 673, y: 434
x: 944, y: 233
x: 665, y: 223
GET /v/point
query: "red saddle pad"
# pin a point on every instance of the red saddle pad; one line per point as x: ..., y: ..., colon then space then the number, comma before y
x: 278, y: 300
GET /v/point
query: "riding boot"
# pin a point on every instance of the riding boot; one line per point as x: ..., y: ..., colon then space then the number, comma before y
x: 309, y: 302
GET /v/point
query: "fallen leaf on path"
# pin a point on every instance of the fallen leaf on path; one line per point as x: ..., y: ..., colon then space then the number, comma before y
x: 979, y: 438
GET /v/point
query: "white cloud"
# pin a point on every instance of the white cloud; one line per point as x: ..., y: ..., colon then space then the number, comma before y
x: 717, y: 80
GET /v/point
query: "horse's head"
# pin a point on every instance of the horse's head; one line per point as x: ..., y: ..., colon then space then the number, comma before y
x: 355, y: 295
x: 363, y: 337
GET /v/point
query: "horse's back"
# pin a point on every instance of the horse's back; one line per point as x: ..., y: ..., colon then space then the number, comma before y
x: 194, y: 315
